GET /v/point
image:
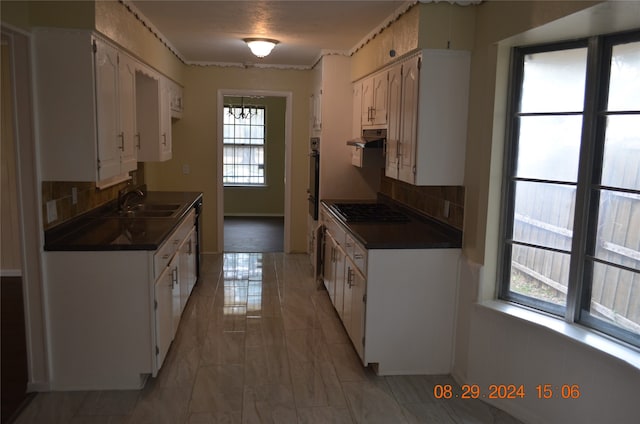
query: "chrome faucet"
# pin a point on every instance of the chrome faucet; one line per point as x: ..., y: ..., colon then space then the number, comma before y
x: 127, y: 193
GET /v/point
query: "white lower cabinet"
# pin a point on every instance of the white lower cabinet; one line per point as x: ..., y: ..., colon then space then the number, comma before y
x: 397, y: 305
x: 163, y: 294
x: 113, y: 314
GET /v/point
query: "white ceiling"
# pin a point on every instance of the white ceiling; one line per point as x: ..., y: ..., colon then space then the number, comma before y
x: 211, y: 31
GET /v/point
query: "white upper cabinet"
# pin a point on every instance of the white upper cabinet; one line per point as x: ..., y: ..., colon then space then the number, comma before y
x: 85, y: 100
x: 176, y: 102
x: 374, y: 100
x: 427, y: 122
x: 153, y: 112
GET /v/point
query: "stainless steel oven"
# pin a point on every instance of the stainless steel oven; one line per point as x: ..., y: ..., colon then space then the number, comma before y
x: 314, y: 177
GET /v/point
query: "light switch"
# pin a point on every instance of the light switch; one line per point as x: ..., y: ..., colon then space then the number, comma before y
x: 186, y: 170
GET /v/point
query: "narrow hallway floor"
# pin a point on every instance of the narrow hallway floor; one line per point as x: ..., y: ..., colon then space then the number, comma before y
x: 260, y: 342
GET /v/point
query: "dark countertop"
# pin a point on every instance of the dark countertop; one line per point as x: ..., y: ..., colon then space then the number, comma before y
x: 103, y: 229
x: 419, y: 232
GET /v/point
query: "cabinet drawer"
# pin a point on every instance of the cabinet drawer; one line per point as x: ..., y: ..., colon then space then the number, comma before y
x: 164, y: 254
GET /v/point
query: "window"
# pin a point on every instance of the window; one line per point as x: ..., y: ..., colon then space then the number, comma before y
x: 571, y: 204
x: 244, y: 142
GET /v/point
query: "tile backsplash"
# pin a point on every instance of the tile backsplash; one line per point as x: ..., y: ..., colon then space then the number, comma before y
x: 430, y: 200
x: 88, y: 197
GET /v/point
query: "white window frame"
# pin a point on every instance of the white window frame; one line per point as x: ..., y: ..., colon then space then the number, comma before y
x: 226, y: 179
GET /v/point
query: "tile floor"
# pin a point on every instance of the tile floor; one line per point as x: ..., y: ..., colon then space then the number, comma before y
x: 260, y: 343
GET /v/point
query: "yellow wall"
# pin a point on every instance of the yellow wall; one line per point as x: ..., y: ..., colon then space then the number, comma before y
x: 195, y: 138
x: 495, y: 21
x: 267, y: 200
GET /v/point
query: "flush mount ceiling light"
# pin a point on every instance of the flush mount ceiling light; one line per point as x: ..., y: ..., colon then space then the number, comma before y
x: 261, y: 47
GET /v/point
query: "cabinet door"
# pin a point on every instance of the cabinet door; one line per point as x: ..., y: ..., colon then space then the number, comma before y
x: 329, y: 266
x: 354, y: 306
x: 380, y: 86
x: 367, y: 102
x: 187, y: 268
x: 340, y: 259
x: 107, y: 108
x: 394, y: 119
x: 163, y: 315
x: 357, y: 110
x: 127, y: 102
x: 165, y: 119
x: 409, y: 120
x: 176, y: 310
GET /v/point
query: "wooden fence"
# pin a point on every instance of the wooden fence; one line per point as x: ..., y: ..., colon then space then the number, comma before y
x: 544, y: 217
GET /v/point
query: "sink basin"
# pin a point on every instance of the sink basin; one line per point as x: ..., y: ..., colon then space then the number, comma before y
x: 150, y: 210
x: 160, y: 206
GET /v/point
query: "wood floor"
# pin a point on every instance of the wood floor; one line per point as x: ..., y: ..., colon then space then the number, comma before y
x: 253, y: 234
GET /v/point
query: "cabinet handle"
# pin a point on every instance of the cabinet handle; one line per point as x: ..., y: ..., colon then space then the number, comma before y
x: 350, y: 277
x: 176, y: 241
x: 121, y: 136
x: 164, y: 138
x: 138, y: 140
x: 165, y: 256
x: 174, y: 277
x: 358, y: 256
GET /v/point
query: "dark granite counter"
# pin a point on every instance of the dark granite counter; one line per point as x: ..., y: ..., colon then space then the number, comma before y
x: 419, y: 232
x: 104, y: 229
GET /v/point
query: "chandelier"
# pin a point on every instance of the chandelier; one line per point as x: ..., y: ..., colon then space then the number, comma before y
x: 242, y: 111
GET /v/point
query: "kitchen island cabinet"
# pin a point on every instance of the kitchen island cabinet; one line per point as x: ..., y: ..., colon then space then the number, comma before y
x: 396, y: 304
x: 114, y: 313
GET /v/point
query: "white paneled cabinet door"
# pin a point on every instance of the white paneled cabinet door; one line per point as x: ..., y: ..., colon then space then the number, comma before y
x: 355, y: 289
x: 127, y: 99
x: 340, y: 259
x: 187, y: 268
x: 174, y: 266
x: 409, y: 120
x: 163, y: 315
x: 395, y: 116
x: 107, y: 108
x: 165, y: 119
x: 329, y: 266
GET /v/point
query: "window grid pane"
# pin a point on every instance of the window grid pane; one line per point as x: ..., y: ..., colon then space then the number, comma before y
x: 243, y: 150
x: 572, y: 230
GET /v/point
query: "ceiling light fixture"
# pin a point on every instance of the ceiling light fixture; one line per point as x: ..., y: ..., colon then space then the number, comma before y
x: 261, y: 47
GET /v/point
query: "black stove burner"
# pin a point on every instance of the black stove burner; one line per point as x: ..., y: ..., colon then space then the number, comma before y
x: 369, y: 212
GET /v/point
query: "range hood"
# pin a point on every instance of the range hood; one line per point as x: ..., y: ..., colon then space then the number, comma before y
x: 371, y: 139
x: 368, y: 151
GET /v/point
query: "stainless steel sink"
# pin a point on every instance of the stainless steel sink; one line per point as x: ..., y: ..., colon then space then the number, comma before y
x: 151, y: 210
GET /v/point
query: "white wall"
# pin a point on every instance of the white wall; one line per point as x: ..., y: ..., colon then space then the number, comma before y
x: 495, y: 345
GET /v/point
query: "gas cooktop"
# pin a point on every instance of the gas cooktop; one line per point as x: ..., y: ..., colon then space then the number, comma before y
x: 368, y: 212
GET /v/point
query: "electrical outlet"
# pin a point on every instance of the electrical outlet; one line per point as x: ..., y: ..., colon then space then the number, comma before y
x: 74, y: 195
x: 445, y: 211
x: 52, y: 211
